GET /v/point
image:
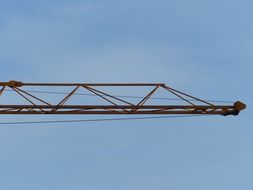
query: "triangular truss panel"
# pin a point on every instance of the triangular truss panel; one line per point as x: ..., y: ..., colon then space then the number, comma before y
x: 100, y: 98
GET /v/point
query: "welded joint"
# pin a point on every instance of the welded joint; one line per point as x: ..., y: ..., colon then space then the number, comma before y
x: 12, y: 84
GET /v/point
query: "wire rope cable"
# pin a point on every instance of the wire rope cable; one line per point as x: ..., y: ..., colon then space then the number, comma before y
x: 98, y: 120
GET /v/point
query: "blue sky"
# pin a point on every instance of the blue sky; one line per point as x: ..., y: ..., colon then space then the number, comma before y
x: 202, y: 47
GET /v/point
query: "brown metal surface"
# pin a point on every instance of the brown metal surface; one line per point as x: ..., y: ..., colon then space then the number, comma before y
x: 125, y: 107
x: 91, y: 84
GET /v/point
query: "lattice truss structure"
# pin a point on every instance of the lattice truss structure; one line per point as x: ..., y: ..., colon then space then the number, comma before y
x: 33, y: 104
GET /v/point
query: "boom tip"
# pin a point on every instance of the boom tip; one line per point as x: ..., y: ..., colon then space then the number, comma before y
x: 239, y: 106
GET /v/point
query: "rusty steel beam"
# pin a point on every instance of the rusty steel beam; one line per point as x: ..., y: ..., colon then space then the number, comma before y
x: 19, y: 84
x: 120, y: 109
x: 193, y: 105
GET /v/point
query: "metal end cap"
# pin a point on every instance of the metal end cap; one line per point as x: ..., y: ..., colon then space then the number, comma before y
x: 239, y: 106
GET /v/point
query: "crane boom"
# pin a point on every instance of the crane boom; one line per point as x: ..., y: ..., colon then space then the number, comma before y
x: 114, y: 104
